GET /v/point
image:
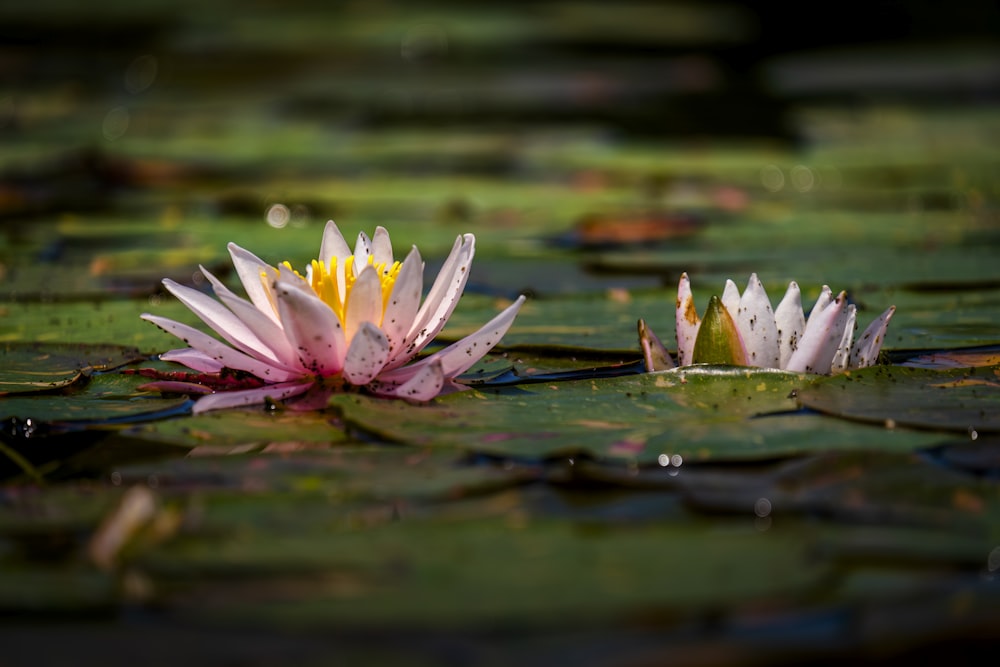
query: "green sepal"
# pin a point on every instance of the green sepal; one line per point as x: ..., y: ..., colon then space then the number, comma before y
x: 718, y: 340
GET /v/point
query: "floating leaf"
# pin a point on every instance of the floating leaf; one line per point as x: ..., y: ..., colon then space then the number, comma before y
x: 955, y: 400
x: 697, y: 413
x: 34, y: 367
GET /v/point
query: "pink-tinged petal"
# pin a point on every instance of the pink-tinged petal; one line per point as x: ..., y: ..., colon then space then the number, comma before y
x: 441, y: 299
x: 382, y: 247
x: 333, y: 246
x: 312, y: 329
x: 654, y: 354
x: 423, y: 384
x: 755, y: 321
x: 821, y: 338
x: 687, y: 322
x: 193, y: 359
x: 244, y: 397
x: 842, y: 356
x: 366, y: 355
x: 790, y: 323
x: 461, y: 355
x: 362, y: 251
x: 256, y: 276
x: 269, y: 333
x: 822, y: 301
x: 222, y: 321
x: 404, y: 301
x: 869, y: 344
x: 731, y: 298
x: 221, y: 352
x: 364, y: 303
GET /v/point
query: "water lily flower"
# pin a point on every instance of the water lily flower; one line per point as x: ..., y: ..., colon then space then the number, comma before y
x: 354, y: 319
x: 742, y: 329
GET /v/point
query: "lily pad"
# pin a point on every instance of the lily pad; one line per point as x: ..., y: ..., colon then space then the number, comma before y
x: 35, y: 367
x: 105, y: 399
x: 698, y: 413
x: 966, y: 400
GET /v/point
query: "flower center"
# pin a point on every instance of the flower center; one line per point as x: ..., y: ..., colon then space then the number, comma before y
x: 333, y: 284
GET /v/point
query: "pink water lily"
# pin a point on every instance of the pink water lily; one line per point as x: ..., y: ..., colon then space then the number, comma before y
x: 743, y: 329
x: 354, y: 319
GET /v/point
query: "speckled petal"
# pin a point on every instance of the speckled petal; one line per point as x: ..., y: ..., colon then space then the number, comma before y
x: 423, y: 385
x: 865, y: 351
x: 266, y: 329
x: 404, y: 302
x: 842, y: 356
x: 364, y: 303
x: 821, y: 338
x: 312, y: 328
x: 193, y: 359
x: 790, y: 323
x: 755, y: 320
x: 222, y: 321
x: 250, y: 268
x: 333, y: 246
x: 441, y: 299
x: 461, y: 355
x: 382, y: 247
x: 366, y: 355
x: 687, y: 322
x: 362, y: 251
x: 243, y: 397
x: 221, y: 352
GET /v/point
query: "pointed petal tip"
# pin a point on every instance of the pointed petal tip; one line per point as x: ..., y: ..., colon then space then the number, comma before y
x: 654, y: 354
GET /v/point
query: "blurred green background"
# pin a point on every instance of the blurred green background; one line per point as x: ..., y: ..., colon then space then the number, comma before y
x: 597, y: 150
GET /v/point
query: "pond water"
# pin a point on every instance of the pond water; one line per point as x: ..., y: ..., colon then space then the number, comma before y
x: 567, y: 505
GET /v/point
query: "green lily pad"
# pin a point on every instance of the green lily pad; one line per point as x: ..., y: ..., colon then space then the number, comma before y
x: 966, y: 400
x: 104, y: 399
x: 697, y: 413
x: 35, y: 367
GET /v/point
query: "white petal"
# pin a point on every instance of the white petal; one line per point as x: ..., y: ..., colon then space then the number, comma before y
x: 441, y: 299
x: 461, y: 355
x: 687, y: 322
x: 841, y: 357
x: 820, y: 339
x: 312, y: 328
x: 243, y: 397
x: 822, y: 301
x: 790, y: 322
x: 731, y: 298
x: 269, y: 333
x: 221, y: 352
x: 222, y: 321
x: 382, y: 247
x: 364, y: 303
x: 423, y: 385
x: 193, y: 359
x: 366, y: 355
x: 755, y: 321
x: 249, y: 268
x: 866, y: 349
x: 404, y: 301
x: 362, y: 251
x: 333, y: 245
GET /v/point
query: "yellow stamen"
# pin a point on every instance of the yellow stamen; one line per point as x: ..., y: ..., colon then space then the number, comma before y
x: 327, y: 286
